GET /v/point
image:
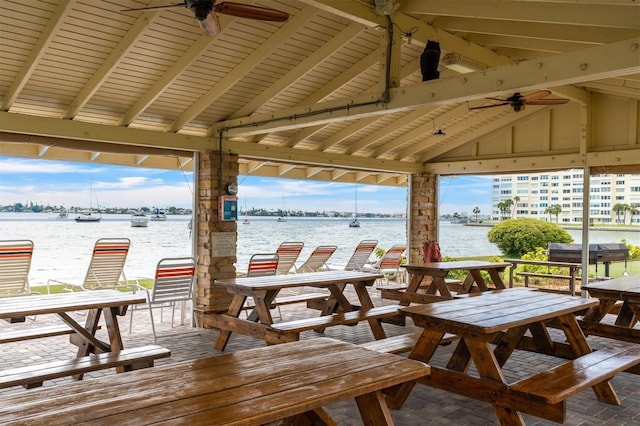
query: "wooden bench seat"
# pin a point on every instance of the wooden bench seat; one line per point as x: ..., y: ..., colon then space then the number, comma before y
x: 290, y: 330
x: 396, y: 291
x: 572, y: 377
x: 292, y: 299
x: 402, y: 343
x: 35, y: 333
x: 32, y: 376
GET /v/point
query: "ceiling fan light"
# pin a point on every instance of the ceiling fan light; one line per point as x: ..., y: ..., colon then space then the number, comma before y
x: 439, y: 132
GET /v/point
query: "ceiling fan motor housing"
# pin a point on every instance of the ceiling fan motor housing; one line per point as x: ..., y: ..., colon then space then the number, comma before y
x: 200, y: 8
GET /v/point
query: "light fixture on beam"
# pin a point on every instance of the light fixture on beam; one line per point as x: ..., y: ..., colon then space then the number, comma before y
x: 459, y: 64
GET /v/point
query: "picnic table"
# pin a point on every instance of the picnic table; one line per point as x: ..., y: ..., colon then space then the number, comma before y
x: 337, y: 309
x: 108, y: 303
x: 610, y: 293
x: 491, y: 326
x: 292, y: 381
x: 438, y: 289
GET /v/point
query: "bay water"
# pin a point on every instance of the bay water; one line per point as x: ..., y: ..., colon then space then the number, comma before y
x: 63, y: 247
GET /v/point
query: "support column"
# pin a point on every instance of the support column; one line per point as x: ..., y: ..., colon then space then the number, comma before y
x: 211, y: 182
x: 423, y: 214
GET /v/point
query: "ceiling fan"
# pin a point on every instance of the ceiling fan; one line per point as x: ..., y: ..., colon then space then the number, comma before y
x: 518, y: 101
x: 205, y: 12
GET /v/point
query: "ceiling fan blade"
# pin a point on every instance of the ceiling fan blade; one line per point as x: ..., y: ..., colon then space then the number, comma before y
x: 211, y: 25
x: 535, y: 96
x: 250, y: 11
x: 549, y: 102
x: 171, y: 6
x: 489, y: 106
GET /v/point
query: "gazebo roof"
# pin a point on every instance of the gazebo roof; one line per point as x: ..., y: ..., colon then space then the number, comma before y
x: 324, y: 95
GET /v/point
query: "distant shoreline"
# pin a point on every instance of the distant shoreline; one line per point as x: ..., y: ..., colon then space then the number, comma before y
x: 572, y: 228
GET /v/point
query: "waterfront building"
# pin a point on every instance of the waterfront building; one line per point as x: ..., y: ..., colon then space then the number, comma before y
x: 534, y: 195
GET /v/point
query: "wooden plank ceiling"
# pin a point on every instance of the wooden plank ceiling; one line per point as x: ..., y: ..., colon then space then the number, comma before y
x: 329, y: 94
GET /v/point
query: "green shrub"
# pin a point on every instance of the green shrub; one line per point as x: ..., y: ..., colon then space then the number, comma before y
x: 515, y: 237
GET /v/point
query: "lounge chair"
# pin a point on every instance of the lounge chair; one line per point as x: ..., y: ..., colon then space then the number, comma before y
x: 360, y: 256
x: 15, y: 263
x: 389, y: 263
x: 317, y: 260
x: 105, y: 268
x: 173, y: 283
x: 288, y: 253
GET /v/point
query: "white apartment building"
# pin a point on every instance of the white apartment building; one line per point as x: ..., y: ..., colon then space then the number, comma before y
x: 533, y: 193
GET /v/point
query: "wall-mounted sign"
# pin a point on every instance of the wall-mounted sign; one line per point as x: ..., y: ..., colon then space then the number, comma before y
x: 228, y: 207
x: 223, y: 244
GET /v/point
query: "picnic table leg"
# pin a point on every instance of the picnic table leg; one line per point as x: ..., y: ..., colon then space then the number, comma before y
x: 423, y: 350
x: 603, y: 390
x: 374, y: 410
x: 487, y: 366
x: 412, y: 287
x: 317, y: 416
x: 597, y: 313
x: 268, y: 299
x: 234, y: 310
x: 497, y: 279
x: 366, y: 303
x: 625, y: 316
x: 113, y: 330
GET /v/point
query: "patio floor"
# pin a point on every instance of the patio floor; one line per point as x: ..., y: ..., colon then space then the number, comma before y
x: 425, y: 406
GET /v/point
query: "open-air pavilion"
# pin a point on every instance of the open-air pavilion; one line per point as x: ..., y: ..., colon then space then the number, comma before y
x: 337, y: 92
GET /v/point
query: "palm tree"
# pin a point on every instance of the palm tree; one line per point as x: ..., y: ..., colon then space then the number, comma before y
x: 555, y: 209
x: 502, y: 208
x: 516, y: 199
x: 619, y: 208
x: 476, y: 211
x: 507, y: 207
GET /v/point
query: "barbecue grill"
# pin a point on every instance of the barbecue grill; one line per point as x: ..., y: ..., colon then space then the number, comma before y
x: 598, y: 253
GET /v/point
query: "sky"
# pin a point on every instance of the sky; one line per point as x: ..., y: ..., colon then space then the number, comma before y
x: 70, y: 184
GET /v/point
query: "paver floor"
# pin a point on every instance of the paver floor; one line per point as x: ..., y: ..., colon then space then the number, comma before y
x: 425, y: 406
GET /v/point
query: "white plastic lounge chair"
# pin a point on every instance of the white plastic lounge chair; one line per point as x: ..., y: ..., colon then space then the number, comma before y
x: 360, y: 256
x: 317, y: 260
x: 288, y: 253
x: 15, y: 263
x: 173, y: 283
x: 389, y: 263
x: 105, y: 268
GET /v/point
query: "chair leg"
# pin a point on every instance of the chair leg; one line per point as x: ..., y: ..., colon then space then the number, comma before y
x: 153, y: 326
x: 132, y: 308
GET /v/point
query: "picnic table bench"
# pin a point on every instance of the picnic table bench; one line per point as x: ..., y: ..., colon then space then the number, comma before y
x: 491, y: 327
x: 93, y: 353
x: 571, y: 276
x: 291, y: 382
x: 610, y: 293
x: 337, y: 309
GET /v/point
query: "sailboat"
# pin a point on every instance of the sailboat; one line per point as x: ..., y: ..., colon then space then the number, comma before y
x: 282, y: 217
x: 246, y: 217
x: 87, y: 215
x: 355, y: 223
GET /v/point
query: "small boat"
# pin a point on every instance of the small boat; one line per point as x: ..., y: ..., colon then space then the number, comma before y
x: 281, y: 219
x: 158, y: 215
x: 63, y: 214
x: 88, y: 216
x: 139, y: 220
x: 354, y: 223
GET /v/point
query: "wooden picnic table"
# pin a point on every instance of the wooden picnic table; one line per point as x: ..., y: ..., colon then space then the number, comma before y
x: 438, y: 289
x: 491, y: 326
x: 98, y: 303
x: 264, y: 290
x: 253, y: 387
x: 609, y: 293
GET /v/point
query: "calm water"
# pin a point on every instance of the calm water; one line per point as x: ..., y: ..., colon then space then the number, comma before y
x: 63, y: 247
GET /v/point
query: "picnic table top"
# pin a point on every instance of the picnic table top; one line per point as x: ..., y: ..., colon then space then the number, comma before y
x: 317, y: 279
x: 254, y: 386
x: 23, y: 306
x: 461, y: 264
x: 625, y: 285
x: 497, y: 310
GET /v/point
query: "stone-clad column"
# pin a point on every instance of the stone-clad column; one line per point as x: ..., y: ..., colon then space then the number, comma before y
x: 423, y: 214
x: 209, y: 297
